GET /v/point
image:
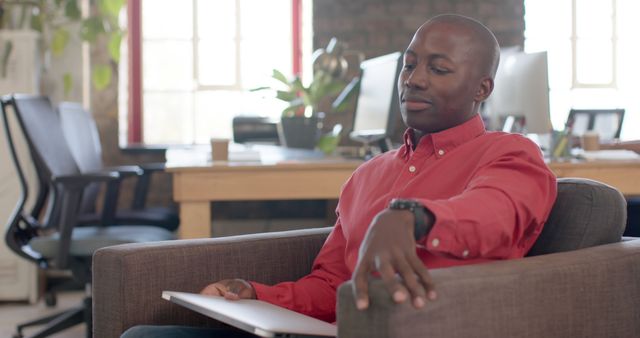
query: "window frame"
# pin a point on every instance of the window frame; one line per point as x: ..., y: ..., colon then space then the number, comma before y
x: 575, y: 83
x: 135, y: 114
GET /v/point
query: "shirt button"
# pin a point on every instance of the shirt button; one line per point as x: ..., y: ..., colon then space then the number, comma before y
x: 440, y: 152
x: 412, y: 169
x: 465, y: 253
x: 435, y: 242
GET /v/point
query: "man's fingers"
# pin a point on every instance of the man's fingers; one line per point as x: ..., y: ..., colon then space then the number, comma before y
x: 215, y: 289
x: 388, y: 274
x: 361, y: 287
x: 424, y: 277
x: 410, y: 278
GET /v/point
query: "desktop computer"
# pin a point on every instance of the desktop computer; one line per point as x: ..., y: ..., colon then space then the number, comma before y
x: 377, y: 105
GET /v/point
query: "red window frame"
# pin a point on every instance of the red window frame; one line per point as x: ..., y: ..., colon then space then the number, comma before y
x: 134, y: 25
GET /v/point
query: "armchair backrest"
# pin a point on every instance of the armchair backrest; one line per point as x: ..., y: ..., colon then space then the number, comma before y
x: 586, y: 213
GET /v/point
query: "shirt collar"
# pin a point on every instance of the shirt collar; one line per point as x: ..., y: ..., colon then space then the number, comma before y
x: 444, y: 141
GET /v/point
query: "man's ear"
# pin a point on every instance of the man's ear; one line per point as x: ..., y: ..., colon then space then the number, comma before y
x: 484, y: 90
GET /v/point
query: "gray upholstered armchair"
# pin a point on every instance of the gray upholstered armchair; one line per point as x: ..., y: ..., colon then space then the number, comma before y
x: 579, y: 280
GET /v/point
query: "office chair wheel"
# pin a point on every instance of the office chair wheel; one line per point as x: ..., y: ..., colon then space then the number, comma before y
x: 50, y: 299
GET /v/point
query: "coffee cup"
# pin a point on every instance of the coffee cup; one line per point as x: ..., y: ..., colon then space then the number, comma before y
x: 590, y: 141
x: 219, y: 149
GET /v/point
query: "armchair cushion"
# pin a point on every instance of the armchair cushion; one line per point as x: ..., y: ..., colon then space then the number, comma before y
x: 582, y: 209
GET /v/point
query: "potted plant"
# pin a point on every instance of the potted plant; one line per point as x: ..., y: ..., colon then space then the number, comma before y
x: 302, y: 119
x: 55, y: 21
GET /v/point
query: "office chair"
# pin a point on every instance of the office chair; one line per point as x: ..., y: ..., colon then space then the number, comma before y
x: 47, y: 237
x: 82, y: 136
x: 607, y: 122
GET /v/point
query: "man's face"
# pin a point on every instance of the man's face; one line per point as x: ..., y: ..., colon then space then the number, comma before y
x: 440, y: 78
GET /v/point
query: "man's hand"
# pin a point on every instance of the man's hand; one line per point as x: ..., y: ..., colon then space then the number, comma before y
x: 232, y: 289
x: 389, y: 249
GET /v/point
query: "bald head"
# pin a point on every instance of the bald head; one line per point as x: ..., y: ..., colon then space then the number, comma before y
x: 484, y: 43
x: 448, y: 71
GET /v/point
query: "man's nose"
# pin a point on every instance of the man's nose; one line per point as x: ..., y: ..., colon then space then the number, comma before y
x: 417, y: 79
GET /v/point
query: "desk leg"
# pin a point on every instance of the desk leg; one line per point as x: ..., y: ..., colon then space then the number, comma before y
x: 195, y: 220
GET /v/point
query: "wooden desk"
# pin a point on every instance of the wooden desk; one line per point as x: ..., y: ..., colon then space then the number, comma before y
x: 195, y: 187
x: 624, y: 175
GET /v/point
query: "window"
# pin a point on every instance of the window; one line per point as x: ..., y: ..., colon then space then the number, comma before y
x: 200, y: 58
x: 592, y: 55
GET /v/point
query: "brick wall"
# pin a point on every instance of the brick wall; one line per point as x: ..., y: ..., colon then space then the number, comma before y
x: 378, y: 27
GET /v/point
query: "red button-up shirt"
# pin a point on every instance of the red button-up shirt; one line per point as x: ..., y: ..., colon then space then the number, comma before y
x: 490, y: 193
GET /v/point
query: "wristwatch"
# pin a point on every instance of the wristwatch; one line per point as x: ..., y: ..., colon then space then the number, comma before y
x: 420, y: 227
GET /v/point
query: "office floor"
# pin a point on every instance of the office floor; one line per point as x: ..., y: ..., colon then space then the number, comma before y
x: 16, y: 312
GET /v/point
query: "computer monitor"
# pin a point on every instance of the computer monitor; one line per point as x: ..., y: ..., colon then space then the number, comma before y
x: 377, y: 104
x: 521, y: 93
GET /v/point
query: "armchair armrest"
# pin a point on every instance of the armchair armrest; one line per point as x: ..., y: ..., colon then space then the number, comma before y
x: 128, y: 279
x: 588, y: 292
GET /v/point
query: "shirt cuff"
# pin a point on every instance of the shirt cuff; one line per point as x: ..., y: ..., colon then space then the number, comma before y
x: 441, y: 239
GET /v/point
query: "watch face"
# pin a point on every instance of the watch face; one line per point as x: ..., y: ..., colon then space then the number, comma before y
x: 403, y: 204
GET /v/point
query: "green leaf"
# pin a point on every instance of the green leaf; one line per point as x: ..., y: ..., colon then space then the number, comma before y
x: 67, y: 82
x: 111, y: 7
x: 91, y: 28
x: 59, y: 41
x: 296, y: 85
x: 101, y: 76
x: 280, y: 77
x: 259, y: 88
x: 329, y: 141
x: 71, y: 10
x: 114, y: 45
x: 286, y: 96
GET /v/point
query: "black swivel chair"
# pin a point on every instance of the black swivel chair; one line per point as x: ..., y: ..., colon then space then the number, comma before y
x: 48, y: 237
x: 82, y: 136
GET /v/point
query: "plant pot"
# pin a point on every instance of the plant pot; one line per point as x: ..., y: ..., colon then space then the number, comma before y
x: 300, y: 132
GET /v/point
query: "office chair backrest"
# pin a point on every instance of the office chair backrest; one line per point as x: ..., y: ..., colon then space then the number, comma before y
x: 43, y: 131
x: 21, y: 226
x: 9, y: 180
x: 81, y: 132
x: 586, y: 213
x: 50, y: 152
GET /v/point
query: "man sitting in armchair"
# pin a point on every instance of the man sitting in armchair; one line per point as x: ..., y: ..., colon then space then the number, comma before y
x: 453, y: 194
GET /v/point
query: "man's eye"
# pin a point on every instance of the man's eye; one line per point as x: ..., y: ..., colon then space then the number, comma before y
x: 409, y: 66
x: 439, y: 70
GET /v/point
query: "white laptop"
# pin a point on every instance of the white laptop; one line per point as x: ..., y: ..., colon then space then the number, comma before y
x: 260, y: 318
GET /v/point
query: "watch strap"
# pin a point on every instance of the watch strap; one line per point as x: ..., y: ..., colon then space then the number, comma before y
x: 420, y: 227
